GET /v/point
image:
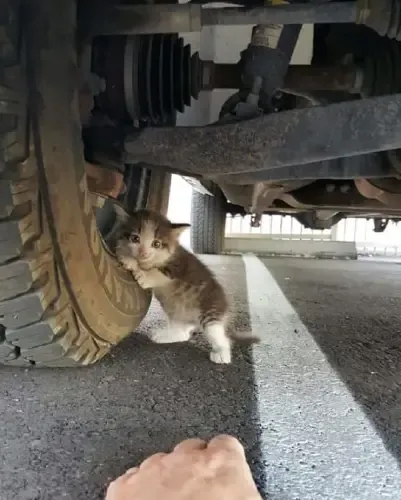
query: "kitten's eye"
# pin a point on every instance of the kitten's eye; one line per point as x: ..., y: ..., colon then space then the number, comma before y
x: 156, y: 244
x: 135, y: 238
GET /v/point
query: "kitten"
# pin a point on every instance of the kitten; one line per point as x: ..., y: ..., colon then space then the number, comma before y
x: 189, y: 293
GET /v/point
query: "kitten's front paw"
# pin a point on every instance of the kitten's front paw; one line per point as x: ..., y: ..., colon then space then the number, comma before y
x: 221, y: 357
x: 127, y: 261
x: 143, y: 279
x: 133, y: 265
x: 129, y: 264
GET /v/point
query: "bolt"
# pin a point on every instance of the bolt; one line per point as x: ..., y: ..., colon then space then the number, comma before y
x: 330, y: 188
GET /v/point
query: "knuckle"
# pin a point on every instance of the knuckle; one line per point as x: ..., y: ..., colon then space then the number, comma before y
x: 226, y: 445
x: 153, y: 461
x: 226, y: 439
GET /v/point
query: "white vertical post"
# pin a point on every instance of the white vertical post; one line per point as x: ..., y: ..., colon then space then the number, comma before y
x: 334, y: 232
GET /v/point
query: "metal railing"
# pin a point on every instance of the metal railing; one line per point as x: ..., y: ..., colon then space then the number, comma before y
x: 368, y: 243
x: 275, y: 227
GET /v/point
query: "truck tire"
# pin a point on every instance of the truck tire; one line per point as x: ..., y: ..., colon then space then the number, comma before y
x: 208, y: 219
x: 64, y: 301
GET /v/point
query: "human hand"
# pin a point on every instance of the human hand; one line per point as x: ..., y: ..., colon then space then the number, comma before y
x: 194, y: 470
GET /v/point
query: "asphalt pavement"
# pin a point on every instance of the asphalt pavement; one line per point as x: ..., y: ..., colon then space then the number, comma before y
x: 317, y: 404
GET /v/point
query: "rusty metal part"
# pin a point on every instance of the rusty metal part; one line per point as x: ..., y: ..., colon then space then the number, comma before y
x: 275, y: 140
x: 302, y: 13
x: 375, y: 74
x: 220, y: 76
x: 197, y: 185
x: 319, y: 219
x: 238, y: 195
x: 364, y: 206
x: 336, y: 77
x: 317, y: 194
x: 368, y: 190
x: 299, y: 77
x: 325, y: 215
x: 104, y: 181
x: 294, y: 198
x: 310, y: 198
x: 384, y: 16
x: 369, y: 166
x: 390, y: 184
x: 123, y: 64
x: 128, y: 19
x: 266, y: 193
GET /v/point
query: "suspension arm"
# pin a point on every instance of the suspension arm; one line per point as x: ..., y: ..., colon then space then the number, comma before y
x: 294, y: 137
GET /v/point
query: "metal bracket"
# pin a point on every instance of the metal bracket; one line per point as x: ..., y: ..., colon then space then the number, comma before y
x: 372, y: 192
x: 256, y: 220
x: 196, y: 185
x: 380, y: 225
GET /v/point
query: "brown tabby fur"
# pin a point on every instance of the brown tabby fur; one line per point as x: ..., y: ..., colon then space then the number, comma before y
x: 187, y: 290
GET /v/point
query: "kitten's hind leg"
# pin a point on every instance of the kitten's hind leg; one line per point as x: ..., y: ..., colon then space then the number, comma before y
x: 221, y: 345
x: 174, y: 332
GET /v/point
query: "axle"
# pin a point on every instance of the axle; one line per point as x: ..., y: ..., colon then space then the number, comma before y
x: 384, y: 16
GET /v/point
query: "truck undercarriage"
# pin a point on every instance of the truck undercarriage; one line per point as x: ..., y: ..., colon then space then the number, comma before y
x: 318, y: 140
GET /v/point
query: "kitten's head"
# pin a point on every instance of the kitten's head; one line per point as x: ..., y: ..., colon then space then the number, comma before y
x: 150, y: 238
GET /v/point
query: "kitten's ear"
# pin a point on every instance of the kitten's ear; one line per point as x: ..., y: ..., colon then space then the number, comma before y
x: 178, y: 229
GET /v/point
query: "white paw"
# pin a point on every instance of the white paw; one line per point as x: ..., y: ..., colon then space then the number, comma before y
x: 221, y: 357
x: 168, y: 337
x: 133, y: 265
x: 127, y: 261
x: 142, y: 279
x: 129, y: 264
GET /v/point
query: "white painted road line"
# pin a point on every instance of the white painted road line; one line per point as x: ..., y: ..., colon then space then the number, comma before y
x: 317, y: 443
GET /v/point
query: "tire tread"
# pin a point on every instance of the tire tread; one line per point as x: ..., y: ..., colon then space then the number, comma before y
x: 37, y: 325
x: 208, y: 221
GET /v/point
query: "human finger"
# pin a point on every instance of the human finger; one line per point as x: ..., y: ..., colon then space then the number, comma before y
x: 152, y: 460
x: 190, y: 445
x: 131, y: 471
x: 226, y: 443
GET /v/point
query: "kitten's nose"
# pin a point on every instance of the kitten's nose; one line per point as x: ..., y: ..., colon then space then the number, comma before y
x: 143, y: 253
